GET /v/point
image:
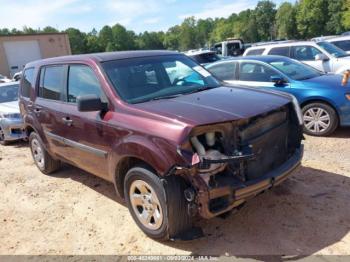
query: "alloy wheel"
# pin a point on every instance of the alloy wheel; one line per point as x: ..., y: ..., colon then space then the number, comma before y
x: 146, y: 205
x: 38, y: 153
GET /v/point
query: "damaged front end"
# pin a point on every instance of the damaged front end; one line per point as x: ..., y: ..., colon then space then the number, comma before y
x: 234, y: 161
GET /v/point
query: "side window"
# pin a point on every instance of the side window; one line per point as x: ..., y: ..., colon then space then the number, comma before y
x: 305, y: 53
x: 250, y: 71
x: 256, y: 51
x: 224, y: 71
x: 82, y: 81
x: 51, y: 82
x: 282, y: 51
x: 27, y: 82
x: 345, y: 44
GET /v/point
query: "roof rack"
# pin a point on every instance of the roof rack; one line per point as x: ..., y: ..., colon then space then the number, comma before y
x: 273, y: 42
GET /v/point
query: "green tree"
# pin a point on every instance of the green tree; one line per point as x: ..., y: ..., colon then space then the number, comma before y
x: 335, y: 10
x: 152, y: 40
x: 312, y: 18
x: 49, y: 29
x: 77, y: 40
x: 346, y: 15
x: 105, y: 38
x: 187, y: 35
x: 286, y: 21
x: 265, y: 12
x: 122, y: 39
x: 172, y: 38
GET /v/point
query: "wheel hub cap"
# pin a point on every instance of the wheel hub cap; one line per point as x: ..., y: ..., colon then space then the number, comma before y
x: 317, y: 120
x: 146, y: 205
x: 38, y: 153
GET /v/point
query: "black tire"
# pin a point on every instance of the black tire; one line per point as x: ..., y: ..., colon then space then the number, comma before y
x: 49, y: 164
x: 332, y: 123
x: 170, y: 192
x: 2, y: 141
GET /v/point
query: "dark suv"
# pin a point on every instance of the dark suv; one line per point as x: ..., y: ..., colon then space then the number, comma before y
x: 173, y: 141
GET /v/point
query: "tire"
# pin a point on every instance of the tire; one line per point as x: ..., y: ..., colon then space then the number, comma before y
x: 42, y: 159
x: 2, y: 141
x: 319, y: 119
x: 171, y: 203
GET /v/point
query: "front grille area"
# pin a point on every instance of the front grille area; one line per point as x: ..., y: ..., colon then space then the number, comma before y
x: 268, y: 137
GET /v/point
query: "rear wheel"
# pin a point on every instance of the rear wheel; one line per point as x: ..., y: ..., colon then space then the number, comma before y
x: 2, y: 138
x: 42, y: 159
x: 319, y: 119
x: 157, y: 206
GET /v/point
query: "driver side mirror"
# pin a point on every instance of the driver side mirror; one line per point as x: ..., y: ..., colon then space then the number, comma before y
x: 278, y: 80
x: 90, y: 103
x: 321, y: 57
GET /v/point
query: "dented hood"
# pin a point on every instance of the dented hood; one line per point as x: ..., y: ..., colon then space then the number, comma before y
x: 220, y: 104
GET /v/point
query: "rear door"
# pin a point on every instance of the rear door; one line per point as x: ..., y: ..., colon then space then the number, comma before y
x: 48, y: 103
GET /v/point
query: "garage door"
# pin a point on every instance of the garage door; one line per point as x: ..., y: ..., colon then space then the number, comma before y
x: 19, y: 53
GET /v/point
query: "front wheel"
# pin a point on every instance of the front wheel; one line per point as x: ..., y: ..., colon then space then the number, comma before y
x: 319, y: 119
x: 157, y: 206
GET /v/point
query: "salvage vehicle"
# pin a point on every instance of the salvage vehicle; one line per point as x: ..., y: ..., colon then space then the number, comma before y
x: 230, y: 47
x: 324, y: 98
x: 322, y: 55
x: 11, y: 124
x: 176, y: 144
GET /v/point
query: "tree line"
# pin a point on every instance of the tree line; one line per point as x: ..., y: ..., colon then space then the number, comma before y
x: 302, y: 20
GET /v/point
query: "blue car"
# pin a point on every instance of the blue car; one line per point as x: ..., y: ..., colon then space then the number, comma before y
x: 323, y: 98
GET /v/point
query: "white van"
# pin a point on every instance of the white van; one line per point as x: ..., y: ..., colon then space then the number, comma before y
x: 322, y: 55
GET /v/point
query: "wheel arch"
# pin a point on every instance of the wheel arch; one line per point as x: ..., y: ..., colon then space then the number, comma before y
x: 319, y: 100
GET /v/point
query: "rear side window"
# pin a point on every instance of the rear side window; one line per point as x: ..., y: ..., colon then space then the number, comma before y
x: 82, y: 81
x: 345, y: 44
x: 27, y: 82
x: 256, y: 51
x: 52, y: 80
x: 224, y: 71
x: 282, y: 51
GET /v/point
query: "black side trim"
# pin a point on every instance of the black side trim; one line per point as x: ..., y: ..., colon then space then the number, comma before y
x: 82, y: 147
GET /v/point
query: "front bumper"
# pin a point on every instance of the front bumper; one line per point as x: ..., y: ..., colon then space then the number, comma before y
x: 12, y: 129
x: 231, y: 192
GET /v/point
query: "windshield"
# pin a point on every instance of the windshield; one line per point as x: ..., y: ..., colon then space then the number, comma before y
x: 8, y: 93
x: 142, y: 79
x: 332, y: 49
x: 295, y: 70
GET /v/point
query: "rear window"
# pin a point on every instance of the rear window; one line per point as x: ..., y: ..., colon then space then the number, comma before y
x: 206, y: 58
x: 282, y: 51
x: 51, y: 82
x: 27, y: 82
x: 345, y: 44
x: 256, y: 51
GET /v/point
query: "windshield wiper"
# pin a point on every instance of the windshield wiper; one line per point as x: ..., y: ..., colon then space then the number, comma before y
x: 164, y: 97
x: 201, y: 89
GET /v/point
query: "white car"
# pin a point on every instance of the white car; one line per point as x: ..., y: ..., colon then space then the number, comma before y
x: 343, y: 42
x: 322, y: 55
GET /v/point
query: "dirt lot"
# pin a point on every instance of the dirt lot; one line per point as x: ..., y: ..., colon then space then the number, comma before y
x: 76, y: 213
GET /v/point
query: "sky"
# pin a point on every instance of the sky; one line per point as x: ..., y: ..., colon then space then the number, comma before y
x: 137, y: 15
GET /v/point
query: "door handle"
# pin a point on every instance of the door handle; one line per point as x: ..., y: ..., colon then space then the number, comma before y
x: 67, y: 121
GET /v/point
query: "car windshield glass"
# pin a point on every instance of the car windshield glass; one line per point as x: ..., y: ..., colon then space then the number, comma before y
x: 8, y: 93
x: 295, y: 70
x: 332, y: 49
x: 138, y: 80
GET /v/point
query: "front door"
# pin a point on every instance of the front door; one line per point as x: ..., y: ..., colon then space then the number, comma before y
x: 256, y: 74
x: 307, y: 54
x: 87, y: 135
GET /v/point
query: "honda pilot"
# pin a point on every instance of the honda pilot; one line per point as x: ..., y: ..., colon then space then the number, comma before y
x: 175, y: 143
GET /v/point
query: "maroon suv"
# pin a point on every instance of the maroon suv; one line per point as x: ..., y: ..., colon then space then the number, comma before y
x: 175, y: 143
